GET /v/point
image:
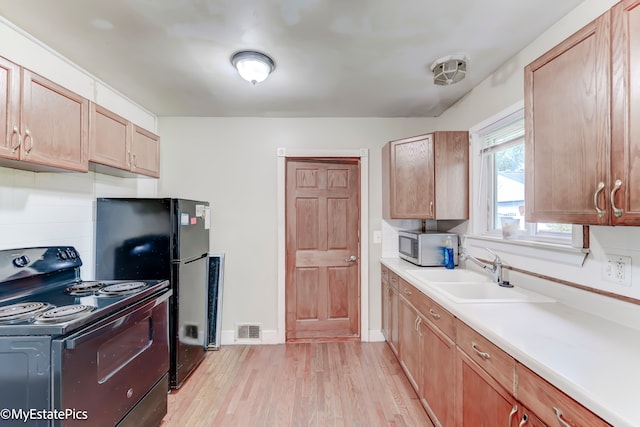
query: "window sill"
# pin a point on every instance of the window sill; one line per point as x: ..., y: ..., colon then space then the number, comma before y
x: 552, y: 252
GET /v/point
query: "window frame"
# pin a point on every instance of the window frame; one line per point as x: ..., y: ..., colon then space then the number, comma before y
x: 482, y: 215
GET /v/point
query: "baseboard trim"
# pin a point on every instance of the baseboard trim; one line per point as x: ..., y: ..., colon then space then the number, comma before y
x: 272, y: 337
x: 376, y: 336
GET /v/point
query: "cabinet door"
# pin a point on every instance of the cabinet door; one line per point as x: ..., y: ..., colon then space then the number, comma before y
x: 625, y: 139
x: 386, y: 305
x: 412, y: 178
x: 567, y: 129
x: 394, y: 313
x: 409, y: 343
x: 145, y: 152
x: 9, y: 109
x: 451, y: 150
x: 438, y: 374
x: 110, y: 138
x: 480, y: 400
x: 54, y: 124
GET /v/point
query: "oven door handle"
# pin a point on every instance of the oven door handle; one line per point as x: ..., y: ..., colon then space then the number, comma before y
x: 112, y: 322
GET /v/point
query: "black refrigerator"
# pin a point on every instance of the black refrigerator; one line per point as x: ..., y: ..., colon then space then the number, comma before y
x: 161, y: 238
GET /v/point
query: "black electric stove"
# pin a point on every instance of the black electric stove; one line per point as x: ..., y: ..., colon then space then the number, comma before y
x: 96, y: 351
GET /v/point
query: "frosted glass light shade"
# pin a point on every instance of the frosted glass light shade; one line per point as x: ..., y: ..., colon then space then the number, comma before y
x: 253, y: 66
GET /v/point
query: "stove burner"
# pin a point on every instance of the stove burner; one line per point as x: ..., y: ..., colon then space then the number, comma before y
x: 122, y: 288
x: 63, y: 313
x: 84, y: 288
x: 22, y: 311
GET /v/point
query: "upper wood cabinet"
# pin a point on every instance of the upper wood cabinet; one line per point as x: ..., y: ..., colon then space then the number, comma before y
x: 624, y: 183
x: 582, y: 125
x: 9, y: 109
x: 426, y: 177
x: 44, y: 126
x: 145, y: 152
x: 118, y: 147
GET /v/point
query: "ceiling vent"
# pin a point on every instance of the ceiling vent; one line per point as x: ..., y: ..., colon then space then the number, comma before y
x: 449, y: 69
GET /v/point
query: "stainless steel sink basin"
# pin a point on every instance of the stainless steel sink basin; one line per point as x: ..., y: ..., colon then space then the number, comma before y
x: 483, y: 292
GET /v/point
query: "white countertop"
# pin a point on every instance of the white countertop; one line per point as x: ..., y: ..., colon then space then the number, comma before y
x: 591, y: 359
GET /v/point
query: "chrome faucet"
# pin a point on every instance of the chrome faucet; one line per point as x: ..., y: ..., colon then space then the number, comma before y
x: 495, y: 268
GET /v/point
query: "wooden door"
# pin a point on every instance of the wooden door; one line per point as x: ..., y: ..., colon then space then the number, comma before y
x: 625, y: 138
x: 145, y: 152
x: 322, y: 249
x: 567, y: 129
x: 55, y: 124
x: 9, y: 109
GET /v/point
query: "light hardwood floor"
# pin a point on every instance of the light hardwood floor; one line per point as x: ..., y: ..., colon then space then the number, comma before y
x: 303, y: 384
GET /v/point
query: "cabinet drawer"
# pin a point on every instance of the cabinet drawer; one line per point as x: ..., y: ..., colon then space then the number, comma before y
x: 544, y: 399
x: 384, y: 275
x: 429, y: 309
x: 496, y: 362
x: 393, y: 280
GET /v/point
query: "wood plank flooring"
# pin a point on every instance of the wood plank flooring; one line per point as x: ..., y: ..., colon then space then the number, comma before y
x: 302, y: 384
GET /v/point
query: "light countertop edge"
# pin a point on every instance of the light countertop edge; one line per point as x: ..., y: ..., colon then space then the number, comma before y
x: 591, y: 359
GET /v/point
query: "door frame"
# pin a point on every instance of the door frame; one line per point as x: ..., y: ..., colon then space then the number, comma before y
x: 363, y: 154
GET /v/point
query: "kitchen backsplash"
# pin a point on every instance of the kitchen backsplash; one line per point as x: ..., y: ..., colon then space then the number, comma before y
x: 58, y: 208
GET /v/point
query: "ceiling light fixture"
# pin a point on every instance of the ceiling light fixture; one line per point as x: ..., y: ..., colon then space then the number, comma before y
x: 449, y: 69
x: 253, y: 66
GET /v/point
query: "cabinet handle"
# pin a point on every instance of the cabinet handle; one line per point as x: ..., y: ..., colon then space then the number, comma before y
x: 129, y: 157
x: 133, y: 156
x: 27, y: 134
x: 595, y: 199
x: 434, y: 314
x: 525, y: 419
x: 482, y: 354
x: 16, y: 132
x: 407, y: 291
x: 559, y: 417
x: 415, y: 323
x: 616, y: 211
x: 512, y: 413
x: 431, y: 208
x: 418, y: 327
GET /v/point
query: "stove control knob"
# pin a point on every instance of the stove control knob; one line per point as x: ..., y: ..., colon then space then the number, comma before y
x: 62, y: 255
x: 21, y: 261
x: 72, y: 253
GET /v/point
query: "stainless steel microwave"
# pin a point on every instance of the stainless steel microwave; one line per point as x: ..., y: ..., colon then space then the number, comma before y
x: 426, y: 249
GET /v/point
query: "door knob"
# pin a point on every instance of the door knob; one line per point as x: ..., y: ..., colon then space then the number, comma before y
x: 352, y: 258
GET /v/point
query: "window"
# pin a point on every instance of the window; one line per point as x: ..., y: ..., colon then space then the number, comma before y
x: 499, y: 149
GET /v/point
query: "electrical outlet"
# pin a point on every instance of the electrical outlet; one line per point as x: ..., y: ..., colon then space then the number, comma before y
x: 377, y: 236
x: 617, y: 269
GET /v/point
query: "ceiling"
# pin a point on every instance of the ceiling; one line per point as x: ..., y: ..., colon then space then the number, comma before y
x: 334, y: 58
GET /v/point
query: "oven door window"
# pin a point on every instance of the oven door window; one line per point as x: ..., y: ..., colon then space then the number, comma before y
x: 408, y: 246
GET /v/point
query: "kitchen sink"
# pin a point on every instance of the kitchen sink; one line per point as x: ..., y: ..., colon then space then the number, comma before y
x: 467, y: 287
x: 485, y: 292
x: 448, y: 276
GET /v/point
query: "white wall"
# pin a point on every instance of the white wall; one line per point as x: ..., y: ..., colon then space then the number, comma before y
x: 41, y: 209
x: 231, y: 162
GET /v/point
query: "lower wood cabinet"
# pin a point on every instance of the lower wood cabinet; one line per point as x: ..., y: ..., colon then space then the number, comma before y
x: 480, y: 400
x: 462, y: 378
x: 551, y: 405
x: 438, y: 374
x: 410, y: 342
